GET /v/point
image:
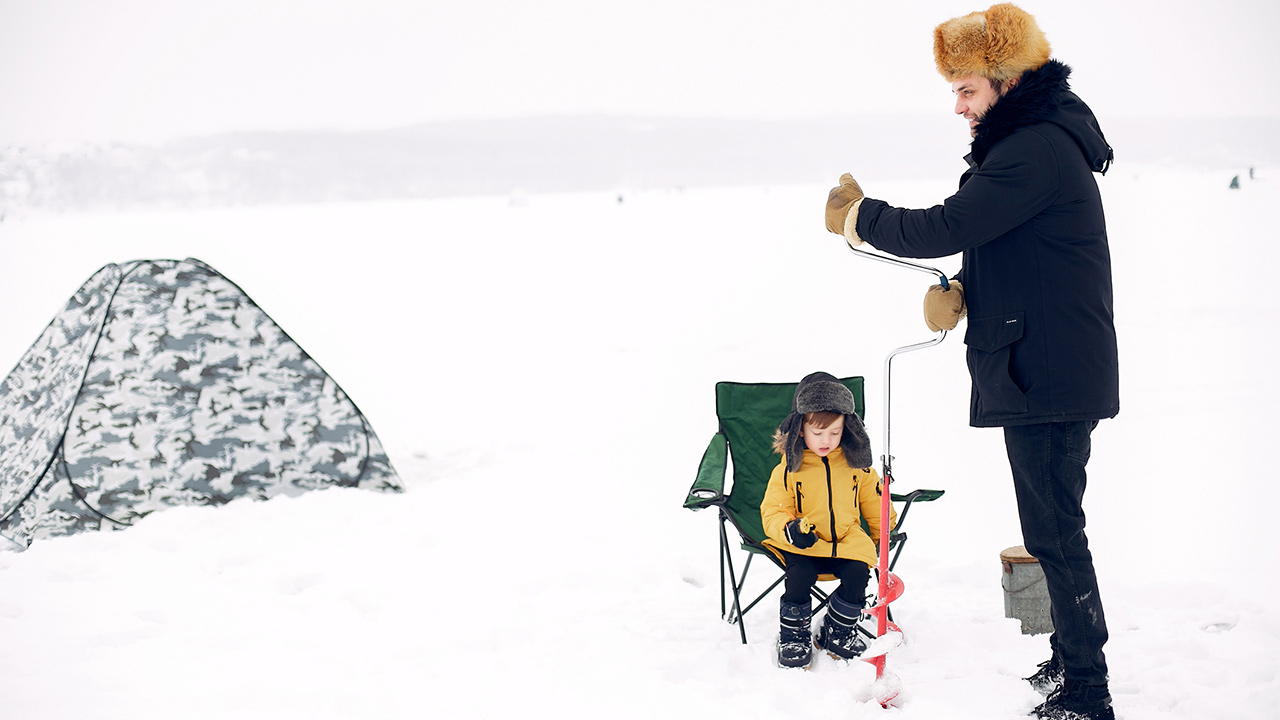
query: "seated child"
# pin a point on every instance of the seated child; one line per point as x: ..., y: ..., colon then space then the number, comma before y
x: 812, y: 512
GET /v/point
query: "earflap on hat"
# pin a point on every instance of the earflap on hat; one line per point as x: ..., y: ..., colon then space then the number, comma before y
x: 855, y: 443
x: 792, y: 432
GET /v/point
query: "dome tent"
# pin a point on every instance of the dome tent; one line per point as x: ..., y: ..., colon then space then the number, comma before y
x: 159, y: 384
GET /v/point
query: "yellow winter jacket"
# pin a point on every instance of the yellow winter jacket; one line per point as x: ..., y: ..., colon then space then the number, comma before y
x: 832, y: 496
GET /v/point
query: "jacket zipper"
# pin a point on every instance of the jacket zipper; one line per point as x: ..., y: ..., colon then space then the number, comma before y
x: 831, y: 507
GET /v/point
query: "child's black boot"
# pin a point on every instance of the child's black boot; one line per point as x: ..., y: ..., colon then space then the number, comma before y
x: 1076, y: 701
x: 794, y: 636
x: 839, y: 633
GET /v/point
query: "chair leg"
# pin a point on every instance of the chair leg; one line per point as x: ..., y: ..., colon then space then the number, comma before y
x: 725, y: 560
x: 873, y: 597
x: 898, y: 550
x: 822, y: 597
x: 755, y: 602
x: 733, y: 582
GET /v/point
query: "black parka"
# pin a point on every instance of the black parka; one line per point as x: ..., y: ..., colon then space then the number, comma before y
x: 1036, y: 269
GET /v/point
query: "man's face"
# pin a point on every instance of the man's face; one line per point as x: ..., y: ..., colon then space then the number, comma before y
x: 974, y: 96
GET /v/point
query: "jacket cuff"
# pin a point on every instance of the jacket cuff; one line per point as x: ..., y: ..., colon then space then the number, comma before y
x: 851, y: 225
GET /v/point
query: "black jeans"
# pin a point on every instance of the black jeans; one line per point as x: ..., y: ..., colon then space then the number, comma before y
x: 803, y: 571
x: 1048, y: 475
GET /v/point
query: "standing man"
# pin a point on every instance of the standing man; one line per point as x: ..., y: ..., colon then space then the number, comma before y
x: 1036, y: 285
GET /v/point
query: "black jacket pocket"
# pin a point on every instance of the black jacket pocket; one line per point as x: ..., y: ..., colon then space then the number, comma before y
x: 990, y: 342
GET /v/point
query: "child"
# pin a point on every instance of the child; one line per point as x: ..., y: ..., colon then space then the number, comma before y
x: 812, y: 512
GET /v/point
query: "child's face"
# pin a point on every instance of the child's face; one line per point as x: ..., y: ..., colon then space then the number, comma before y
x: 823, y: 440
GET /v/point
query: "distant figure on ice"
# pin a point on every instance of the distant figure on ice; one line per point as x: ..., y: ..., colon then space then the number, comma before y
x: 1035, y: 282
x: 812, y: 512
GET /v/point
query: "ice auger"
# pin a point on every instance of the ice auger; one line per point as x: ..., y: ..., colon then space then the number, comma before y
x: 888, y: 634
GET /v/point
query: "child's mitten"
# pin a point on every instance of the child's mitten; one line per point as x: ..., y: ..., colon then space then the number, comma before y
x: 800, y: 533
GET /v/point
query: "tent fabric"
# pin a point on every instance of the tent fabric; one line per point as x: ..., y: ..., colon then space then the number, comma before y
x: 160, y: 384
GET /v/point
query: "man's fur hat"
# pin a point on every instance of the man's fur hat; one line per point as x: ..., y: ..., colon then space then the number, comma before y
x: 822, y: 392
x: 1001, y: 44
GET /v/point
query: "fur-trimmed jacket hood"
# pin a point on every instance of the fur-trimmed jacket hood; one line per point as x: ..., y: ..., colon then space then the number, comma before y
x: 1043, y: 95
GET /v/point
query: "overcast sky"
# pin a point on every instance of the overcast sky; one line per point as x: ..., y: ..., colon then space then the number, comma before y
x: 151, y: 70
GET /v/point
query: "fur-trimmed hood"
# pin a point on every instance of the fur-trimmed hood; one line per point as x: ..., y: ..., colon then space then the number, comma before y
x: 1043, y: 95
x: 822, y: 392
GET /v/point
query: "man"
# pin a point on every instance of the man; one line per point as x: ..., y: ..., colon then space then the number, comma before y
x: 1035, y: 284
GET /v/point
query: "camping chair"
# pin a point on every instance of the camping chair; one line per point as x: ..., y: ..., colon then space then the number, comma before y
x: 748, y: 414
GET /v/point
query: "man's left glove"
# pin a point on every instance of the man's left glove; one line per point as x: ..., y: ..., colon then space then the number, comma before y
x: 943, y: 309
x: 842, y: 204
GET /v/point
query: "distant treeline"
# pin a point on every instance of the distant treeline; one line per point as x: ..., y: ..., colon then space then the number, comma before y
x: 556, y: 154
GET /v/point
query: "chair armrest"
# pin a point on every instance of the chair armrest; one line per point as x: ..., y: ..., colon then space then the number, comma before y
x: 920, y: 495
x: 906, y: 500
x: 708, y: 487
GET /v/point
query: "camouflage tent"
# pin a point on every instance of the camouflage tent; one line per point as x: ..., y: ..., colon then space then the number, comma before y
x: 161, y: 383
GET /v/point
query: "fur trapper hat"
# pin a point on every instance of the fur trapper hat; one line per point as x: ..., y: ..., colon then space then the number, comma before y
x: 822, y: 392
x: 1001, y: 44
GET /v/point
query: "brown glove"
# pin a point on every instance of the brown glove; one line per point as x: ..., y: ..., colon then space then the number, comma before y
x: 839, y: 201
x: 944, y: 308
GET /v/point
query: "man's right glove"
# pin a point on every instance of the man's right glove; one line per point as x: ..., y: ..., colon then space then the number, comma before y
x: 944, y: 308
x: 801, y: 537
x: 842, y: 202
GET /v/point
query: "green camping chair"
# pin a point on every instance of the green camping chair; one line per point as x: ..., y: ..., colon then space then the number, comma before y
x: 749, y: 413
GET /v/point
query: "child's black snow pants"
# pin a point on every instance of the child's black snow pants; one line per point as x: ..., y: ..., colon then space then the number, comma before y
x: 803, y: 572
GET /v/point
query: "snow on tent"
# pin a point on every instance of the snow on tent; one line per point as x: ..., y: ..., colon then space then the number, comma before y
x: 160, y: 384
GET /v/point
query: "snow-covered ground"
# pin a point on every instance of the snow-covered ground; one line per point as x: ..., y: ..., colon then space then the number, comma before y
x: 541, y: 370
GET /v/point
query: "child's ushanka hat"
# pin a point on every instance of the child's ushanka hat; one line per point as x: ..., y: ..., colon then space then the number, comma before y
x: 822, y: 392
